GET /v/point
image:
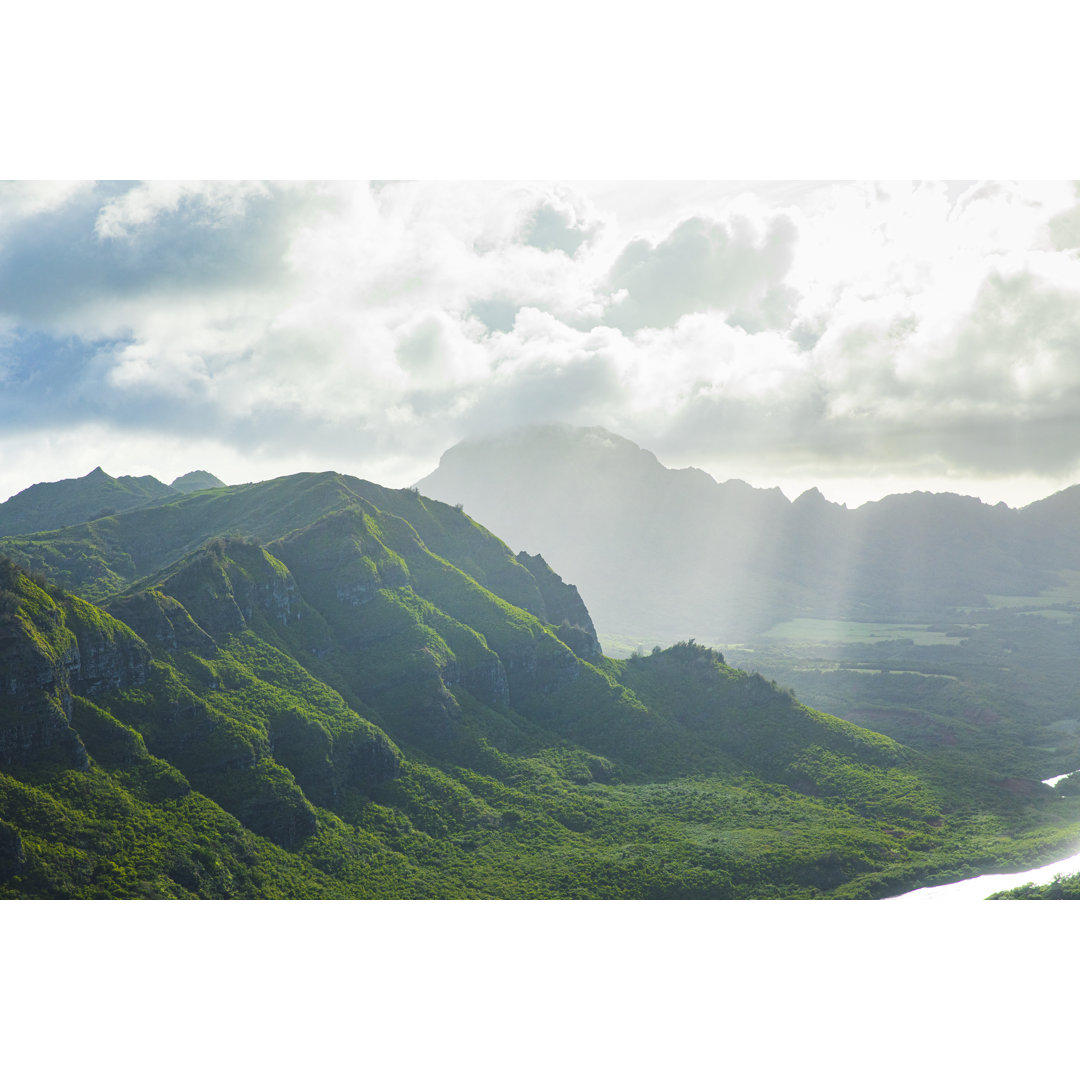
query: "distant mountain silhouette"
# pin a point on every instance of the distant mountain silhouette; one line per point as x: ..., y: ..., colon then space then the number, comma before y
x: 664, y: 553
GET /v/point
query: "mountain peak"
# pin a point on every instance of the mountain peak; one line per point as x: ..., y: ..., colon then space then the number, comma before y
x: 812, y: 497
x: 197, y: 480
x: 54, y: 504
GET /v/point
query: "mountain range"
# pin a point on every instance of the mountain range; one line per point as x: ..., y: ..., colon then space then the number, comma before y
x: 315, y: 686
x: 663, y: 552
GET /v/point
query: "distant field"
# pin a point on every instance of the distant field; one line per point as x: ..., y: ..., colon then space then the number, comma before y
x: 1062, y: 604
x: 802, y: 631
x: 826, y: 667
x: 842, y: 631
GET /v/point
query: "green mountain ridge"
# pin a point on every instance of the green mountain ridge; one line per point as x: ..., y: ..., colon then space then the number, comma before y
x: 318, y: 687
x: 67, y: 502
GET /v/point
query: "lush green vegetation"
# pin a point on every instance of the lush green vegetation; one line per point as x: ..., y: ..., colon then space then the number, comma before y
x: 315, y: 687
x: 1061, y: 888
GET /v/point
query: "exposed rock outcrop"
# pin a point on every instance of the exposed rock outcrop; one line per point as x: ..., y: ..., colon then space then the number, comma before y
x: 41, y: 659
x: 110, y: 655
x: 325, y: 763
x: 52, y: 650
x: 541, y: 666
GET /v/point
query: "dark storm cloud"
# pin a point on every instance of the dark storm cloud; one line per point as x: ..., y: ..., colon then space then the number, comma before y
x: 705, y: 265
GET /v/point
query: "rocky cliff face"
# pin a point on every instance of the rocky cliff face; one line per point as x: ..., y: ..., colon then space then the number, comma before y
x: 110, y: 655
x: 538, y: 667
x: 324, y: 763
x: 52, y: 650
x: 35, y: 698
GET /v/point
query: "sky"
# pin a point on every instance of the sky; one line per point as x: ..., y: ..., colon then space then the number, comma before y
x: 861, y: 337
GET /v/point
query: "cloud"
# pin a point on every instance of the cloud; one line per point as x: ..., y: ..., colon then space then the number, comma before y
x: 987, y: 382
x: 1064, y: 228
x: 81, y: 266
x: 495, y: 313
x: 736, y: 267
x: 544, y: 372
x: 27, y: 198
x: 929, y: 327
x: 560, y: 225
x: 213, y: 205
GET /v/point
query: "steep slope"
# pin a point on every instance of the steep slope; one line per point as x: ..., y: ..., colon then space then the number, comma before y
x: 297, y: 689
